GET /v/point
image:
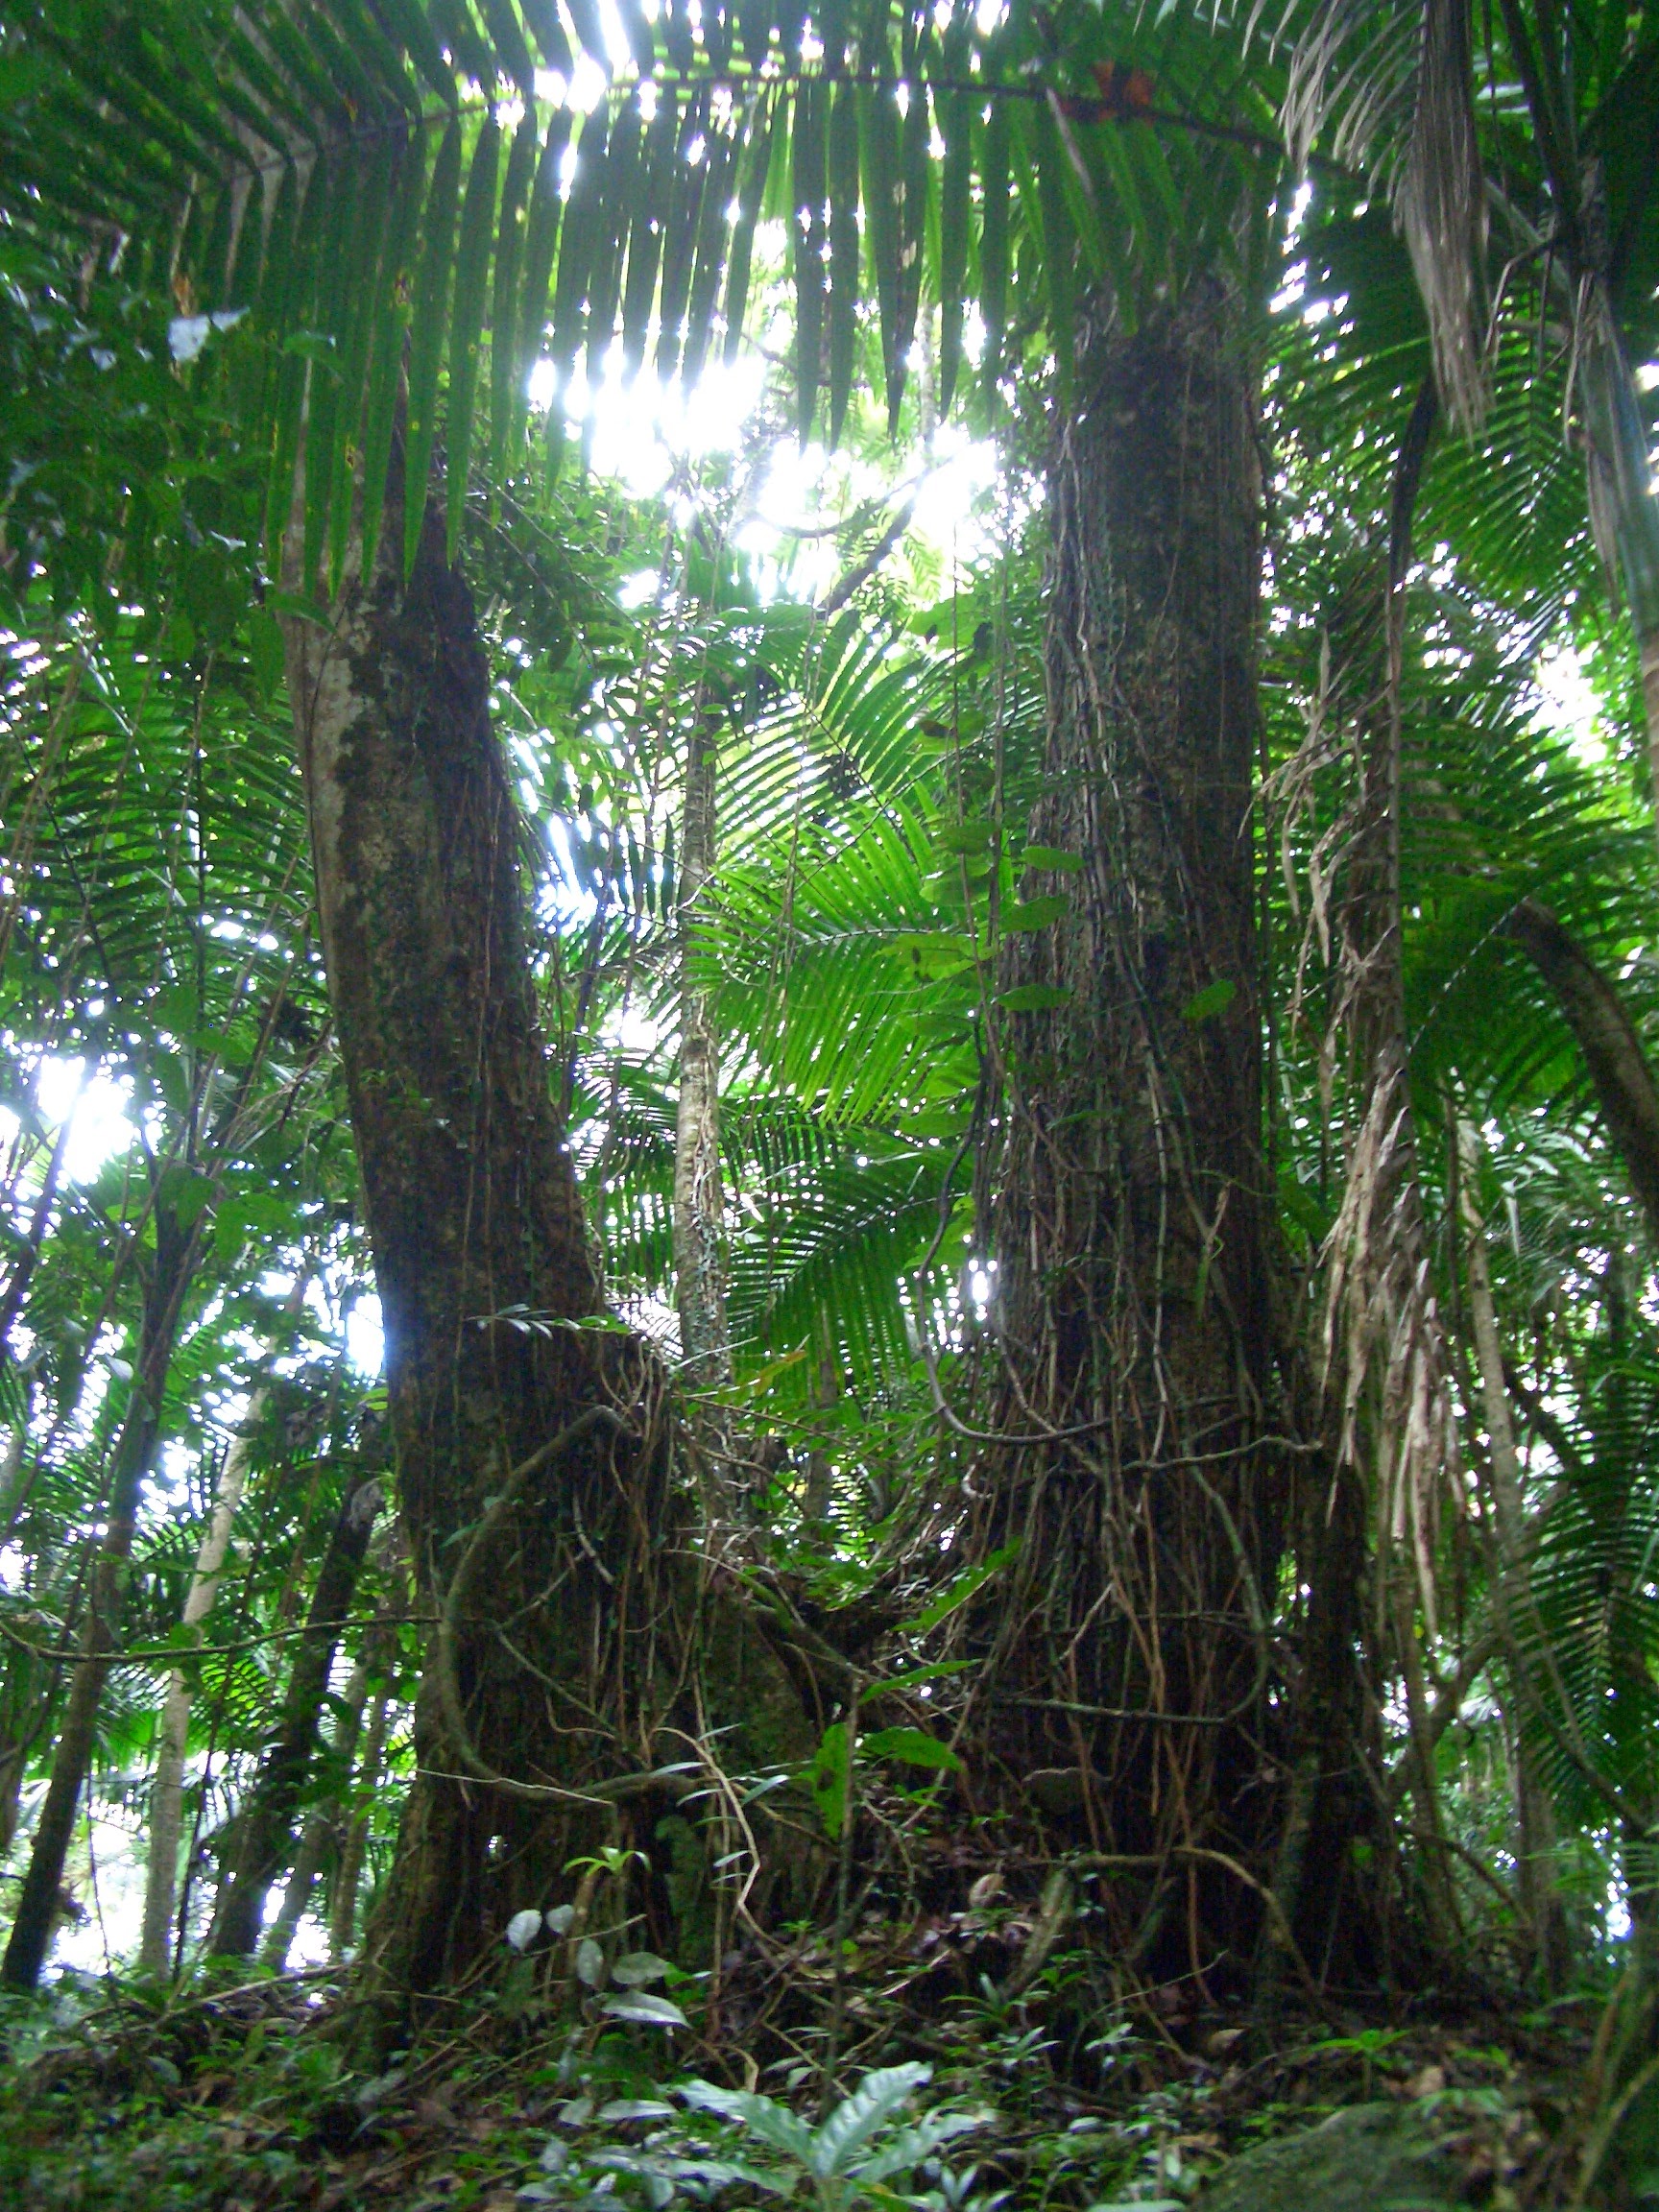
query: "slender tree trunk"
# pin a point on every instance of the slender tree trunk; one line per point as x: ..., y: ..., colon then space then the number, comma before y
x: 1535, y: 1821
x: 699, y: 1198
x: 29, y: 1259
x: 13, y: 1482
x: 355, y: 1843
x: 167, y: 1791
x: 545, y: 1675
x: 325, y: 1822
x: 265, y: 1827
x: 175, y: 1253
x: 1613, y: 1056
x: 1128, y: 1665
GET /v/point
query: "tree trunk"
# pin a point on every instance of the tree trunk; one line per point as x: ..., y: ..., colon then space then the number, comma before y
x: 1535, y: 1821
x: 349, y: 1877
x: 544, y: 1680
x: 327, y: 1820
x: 1607, y: 1036
x: 134, y: 1452
x: 1138, y: 1308
x: 699, y: 1198
x: 167, y: 1791
x: 265, y: 1828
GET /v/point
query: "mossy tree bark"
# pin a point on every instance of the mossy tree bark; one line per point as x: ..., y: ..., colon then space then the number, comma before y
x: 1135, y: 1697
x: 487, y: 1282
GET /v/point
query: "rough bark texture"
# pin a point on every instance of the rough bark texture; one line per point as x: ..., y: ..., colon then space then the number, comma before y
x: 485, y: 1272
x: 265, y: 1828
x: 1128, y: 1660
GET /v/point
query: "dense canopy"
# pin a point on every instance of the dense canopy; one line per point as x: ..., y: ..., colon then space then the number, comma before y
x: 829, y: 1165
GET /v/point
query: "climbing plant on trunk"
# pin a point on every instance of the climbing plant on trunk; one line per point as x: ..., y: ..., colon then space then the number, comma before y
x: 1132, y: 1690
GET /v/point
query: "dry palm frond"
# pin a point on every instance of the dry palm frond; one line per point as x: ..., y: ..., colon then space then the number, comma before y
x: 1395, y: 88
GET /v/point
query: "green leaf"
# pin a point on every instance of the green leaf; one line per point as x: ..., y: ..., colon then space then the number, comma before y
x: 511, y: 48
x: 543, y: 17
x: 976, y: 835
x: 293, y: 371
x: 680, y: 234
x: 843, y: 254
x: 645, y: 234
x: 932, y: 954
x: 757, y: 160
x: 807, y: 244
x: 774, y: 2123
x: 1033, y: 998
x: 960, y: 1592
x: 576, y: 253
x: 879, y: 2097
x: 878, y: 143
x: 454, y: 22
x: 1051, y: 860
x: 390, y: 321
x: 616, y: 213
x: 540, y: 242
x: 957, y: 116
x: 994, y: 245
x: 353, y: 332
x: 911, y: 1747
x: 380, y: 57
x: 711, y: 255
x: 645, y: 2008
x: 1059, y: 248
x: 905, y: 2151
x: 509, y: 234
x: 1215, y: 998
x: 635, y: 1968
x: 472, y: 276
x: 430, y: 329
x: 1035, y: 913
x: 265, y: 652
x: 828, y: 1780
x: 914, y: 170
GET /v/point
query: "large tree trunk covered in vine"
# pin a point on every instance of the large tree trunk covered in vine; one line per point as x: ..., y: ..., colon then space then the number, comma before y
x: 1132, y: 1693
x: 540, y: 1555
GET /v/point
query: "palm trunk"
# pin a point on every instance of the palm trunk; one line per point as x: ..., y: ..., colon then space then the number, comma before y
x: 167, y: 1791
x: 265, y: 1827
x: 699, y: 1199
x: 485, y: 1272
x: 1139, y: 1307
x: 134, y: 1452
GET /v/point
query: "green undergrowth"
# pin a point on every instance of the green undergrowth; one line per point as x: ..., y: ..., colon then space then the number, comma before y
x: 243, y: 2097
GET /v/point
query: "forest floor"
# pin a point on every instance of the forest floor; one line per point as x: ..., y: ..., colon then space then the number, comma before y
x: 243, y: 2097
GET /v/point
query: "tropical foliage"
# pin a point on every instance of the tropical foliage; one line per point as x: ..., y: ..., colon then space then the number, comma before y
x: 271, y: 274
